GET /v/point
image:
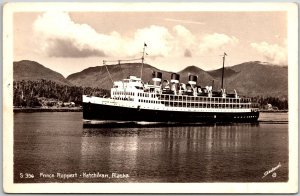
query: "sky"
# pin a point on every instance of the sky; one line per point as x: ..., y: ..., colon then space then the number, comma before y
x: 68, y: 42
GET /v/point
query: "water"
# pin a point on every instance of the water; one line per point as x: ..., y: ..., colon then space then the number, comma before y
x: 49, y: 143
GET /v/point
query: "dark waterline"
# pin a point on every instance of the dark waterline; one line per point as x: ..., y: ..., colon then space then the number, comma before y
x: 51, y: 143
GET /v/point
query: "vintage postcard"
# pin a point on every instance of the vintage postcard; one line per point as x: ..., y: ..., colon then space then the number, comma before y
x: 150, y: 97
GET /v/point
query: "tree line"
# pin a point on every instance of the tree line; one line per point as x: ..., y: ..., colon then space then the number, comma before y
x: 280, y: 103
x: 30, y: 93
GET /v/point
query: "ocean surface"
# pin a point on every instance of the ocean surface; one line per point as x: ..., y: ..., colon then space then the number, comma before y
x: 54, y: 147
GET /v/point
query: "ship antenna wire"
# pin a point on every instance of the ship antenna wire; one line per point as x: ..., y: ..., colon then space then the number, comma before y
x: 223, y: 69
x: 104, y: 63
x: 143, y: 57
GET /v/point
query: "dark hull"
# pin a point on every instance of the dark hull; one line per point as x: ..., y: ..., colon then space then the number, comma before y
x: 105, y: 112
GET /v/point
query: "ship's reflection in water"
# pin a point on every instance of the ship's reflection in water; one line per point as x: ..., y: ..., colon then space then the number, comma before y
x: 230, y: 153
x: 53, y: 143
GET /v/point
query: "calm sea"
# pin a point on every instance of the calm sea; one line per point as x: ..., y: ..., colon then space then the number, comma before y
x: 54, y: 147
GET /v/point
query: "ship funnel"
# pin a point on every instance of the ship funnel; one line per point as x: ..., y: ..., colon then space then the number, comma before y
x: 156, y: 78
x: 175, y: 82
x: 192, y: 80
x: 175, y: 78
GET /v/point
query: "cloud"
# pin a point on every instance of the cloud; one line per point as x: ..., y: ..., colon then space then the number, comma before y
x: 184, y: 43
x: 158, y: 39
x: 216, y: 41
x: 184, y: 21
x: 60, y: 36
x: 184, y: 36
x: 273, y: 53
x: 67, y: 48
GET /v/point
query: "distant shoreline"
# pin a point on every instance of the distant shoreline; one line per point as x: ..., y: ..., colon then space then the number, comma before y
x: 273, y: 111
x: 29, y: 110
x: 79, y: 109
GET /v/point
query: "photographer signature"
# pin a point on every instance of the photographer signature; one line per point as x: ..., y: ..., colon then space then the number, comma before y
x: 272, y: 170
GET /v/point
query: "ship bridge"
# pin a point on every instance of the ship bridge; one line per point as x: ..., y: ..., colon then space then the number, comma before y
x: 127, y: 88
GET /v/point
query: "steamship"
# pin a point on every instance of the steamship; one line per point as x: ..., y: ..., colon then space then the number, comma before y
x: 132, y: 100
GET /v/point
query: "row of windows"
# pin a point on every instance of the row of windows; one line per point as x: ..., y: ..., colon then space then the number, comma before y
x: 123, y: 93
x: 196, y: 105
x: 147, y: 101
x: 203, y: 99
x: 123, y: 98
x: 146, y: 95
x: 205, y: 105
x: 245, y: 117
x: 185, y: 98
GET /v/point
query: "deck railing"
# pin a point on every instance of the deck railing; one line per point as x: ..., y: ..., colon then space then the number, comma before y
x: 204, y: 102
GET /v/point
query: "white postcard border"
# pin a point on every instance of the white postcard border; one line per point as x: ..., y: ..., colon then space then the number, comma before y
x: 290, y: 187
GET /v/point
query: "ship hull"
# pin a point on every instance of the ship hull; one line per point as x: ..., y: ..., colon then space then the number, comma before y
x: 107, y: 112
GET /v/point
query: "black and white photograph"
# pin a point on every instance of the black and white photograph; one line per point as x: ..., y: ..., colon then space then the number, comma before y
x: 150, y: 97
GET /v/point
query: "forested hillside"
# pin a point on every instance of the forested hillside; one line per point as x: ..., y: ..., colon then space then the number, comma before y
x: 49, y: 93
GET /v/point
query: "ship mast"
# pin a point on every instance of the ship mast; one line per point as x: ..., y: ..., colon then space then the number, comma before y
x: 223, y: 69
x: 119, y: 62
x: 104, y: 63
x: 143, y: 57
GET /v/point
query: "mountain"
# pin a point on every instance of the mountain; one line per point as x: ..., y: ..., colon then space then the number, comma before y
x: 99, y: 77
x: 31, y: 70
x: 204, y: 79
x: 250, y: 79
x: 218, y: 72
x: 257, y: 78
